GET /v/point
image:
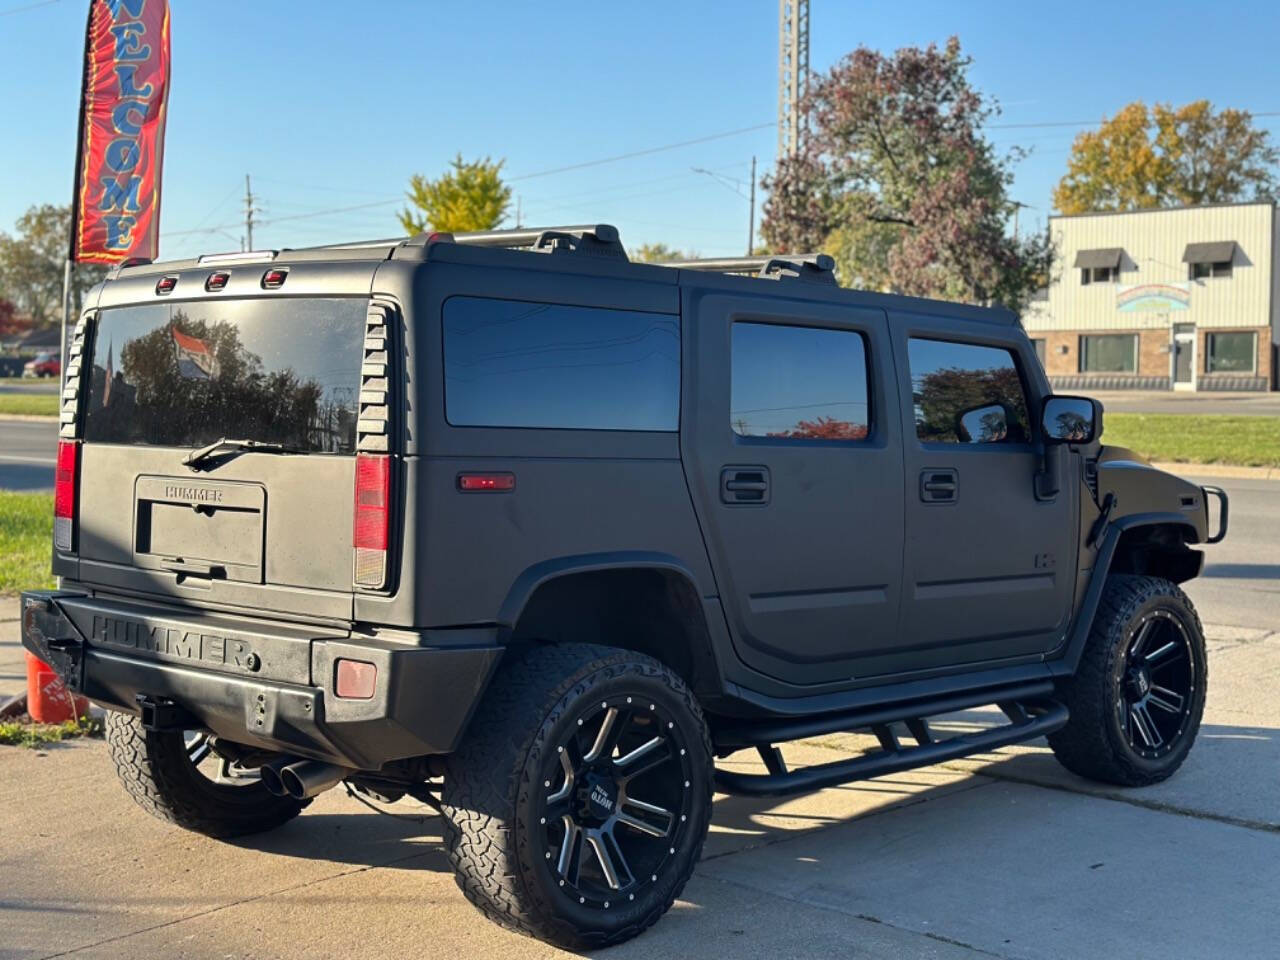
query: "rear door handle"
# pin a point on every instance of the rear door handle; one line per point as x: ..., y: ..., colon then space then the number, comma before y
x: 939, y: 485
x: 745, y: 485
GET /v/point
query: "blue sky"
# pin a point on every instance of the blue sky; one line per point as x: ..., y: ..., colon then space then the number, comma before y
x: 334, y: 105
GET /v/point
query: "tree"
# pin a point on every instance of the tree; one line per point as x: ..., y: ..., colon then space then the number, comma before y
x: 659, y: 253
x: 897, y: 181
x: 470, y: 196
x: 10, y: 325
x: 1142, y: 159
x: 32, y: 264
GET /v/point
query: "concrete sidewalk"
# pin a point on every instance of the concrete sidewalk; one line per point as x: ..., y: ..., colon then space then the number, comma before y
x: 1003, y: 856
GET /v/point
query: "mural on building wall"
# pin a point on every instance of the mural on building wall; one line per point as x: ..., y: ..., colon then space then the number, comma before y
x: 1153, y: 297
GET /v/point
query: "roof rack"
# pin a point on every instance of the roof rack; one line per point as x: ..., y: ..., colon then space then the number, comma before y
x: 600, y: 239
x: 816, y: 267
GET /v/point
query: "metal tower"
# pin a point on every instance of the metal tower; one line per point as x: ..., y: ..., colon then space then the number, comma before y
x: 793, y: 72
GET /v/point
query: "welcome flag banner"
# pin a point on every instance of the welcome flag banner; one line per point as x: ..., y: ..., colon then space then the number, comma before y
x: 116, y: 210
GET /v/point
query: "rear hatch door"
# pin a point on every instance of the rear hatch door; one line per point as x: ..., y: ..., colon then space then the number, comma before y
x: 263, y: 522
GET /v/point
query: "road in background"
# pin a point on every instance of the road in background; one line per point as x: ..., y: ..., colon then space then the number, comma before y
x: 27, y: 452
x: 47, y: 385
x: 1173, y: 401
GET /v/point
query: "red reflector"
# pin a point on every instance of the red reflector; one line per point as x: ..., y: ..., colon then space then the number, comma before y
x: 217, y: 281
x: 482, y: 482
x: 274, y: 278
x: 373, y: 481
x: 64, y: 493
x: 166, y: 284
x: 355, y: 679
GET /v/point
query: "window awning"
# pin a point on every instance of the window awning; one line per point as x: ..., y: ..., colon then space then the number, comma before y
x: 1106, y: 257
x: 1220, y: 252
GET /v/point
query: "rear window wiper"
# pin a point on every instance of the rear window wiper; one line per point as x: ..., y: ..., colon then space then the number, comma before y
x: 227, y: 445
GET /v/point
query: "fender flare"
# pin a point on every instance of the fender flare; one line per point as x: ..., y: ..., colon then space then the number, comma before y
x: 533, y: 577
x: 1078, y: 634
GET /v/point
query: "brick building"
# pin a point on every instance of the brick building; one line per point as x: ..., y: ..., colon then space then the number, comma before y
x: 1185, y: 298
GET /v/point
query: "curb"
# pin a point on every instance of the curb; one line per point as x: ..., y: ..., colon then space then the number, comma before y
x: 29, y: 418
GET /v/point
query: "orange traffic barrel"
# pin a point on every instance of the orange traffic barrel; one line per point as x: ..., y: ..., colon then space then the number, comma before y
x: 48, y: 699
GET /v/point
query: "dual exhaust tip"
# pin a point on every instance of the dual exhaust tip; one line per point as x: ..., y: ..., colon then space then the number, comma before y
x: 301, y: 779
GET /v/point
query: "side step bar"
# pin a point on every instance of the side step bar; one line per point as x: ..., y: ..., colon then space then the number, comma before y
x: 1026, y: 722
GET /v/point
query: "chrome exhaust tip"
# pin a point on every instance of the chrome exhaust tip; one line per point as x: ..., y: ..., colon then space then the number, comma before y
x: 270, y: 776
x: 305, y: 779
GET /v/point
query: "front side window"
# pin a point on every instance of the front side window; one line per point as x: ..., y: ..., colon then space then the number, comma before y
x: 280, y: 370
x: 1038, y: 344
x: 966, y: 393
x: 1230, y: 352
x: 512, y: 363
x: 798, y: 383
x: 1109, y: 353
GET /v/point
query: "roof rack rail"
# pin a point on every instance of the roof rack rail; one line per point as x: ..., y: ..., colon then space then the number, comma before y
x: 816, y: 267
x: 600, y: 240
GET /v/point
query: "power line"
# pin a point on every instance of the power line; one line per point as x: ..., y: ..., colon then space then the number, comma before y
x: 27, y: 6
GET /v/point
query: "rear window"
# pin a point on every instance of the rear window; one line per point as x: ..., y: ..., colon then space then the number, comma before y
x: 187, y: 374
x: 509, y: 363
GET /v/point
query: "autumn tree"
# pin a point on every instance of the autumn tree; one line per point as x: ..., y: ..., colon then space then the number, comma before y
x: 33, y: 260
x: 1141, y: 159
x: 896, y: 179
x: 469, y: 196
x: 9, y: 323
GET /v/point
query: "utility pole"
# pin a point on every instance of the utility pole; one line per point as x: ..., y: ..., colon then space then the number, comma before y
x: 249, y: 211
x: 518, y: 223
x: 793, y: 73
x: 751, y: 217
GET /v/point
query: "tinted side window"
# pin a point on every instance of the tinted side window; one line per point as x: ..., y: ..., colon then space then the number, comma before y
x: 509, y: 363
x: 798, y: 382
x: 949, y: 380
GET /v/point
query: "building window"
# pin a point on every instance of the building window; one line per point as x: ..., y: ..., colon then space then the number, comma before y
x: 966, y: 393
x: 1090, y: 275
x: 510, y: 363
x: 1203, y: 271
x: 1230, y: 352
x: 798, y: 383
x: 1038, y: 344
x: 1109, y: 353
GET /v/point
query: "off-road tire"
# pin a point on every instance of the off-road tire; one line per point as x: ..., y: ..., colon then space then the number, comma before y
x: 1093, y: 743
x: 492, y: 784
x: 158, y: 774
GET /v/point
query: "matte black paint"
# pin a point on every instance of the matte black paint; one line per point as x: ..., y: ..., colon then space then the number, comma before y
x: 842, y: 588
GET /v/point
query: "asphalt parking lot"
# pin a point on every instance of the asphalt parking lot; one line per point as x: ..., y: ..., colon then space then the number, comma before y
x: 1003, y: 855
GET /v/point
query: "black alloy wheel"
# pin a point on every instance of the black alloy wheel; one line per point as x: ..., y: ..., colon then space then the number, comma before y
x: 617, y: 799
x: 1157, y: 676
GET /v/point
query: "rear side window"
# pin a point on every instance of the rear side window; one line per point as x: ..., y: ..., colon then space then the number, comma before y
x: 966, y: 393
x: 186, y: 374
x: 510, y: 363
x: 798, y: 383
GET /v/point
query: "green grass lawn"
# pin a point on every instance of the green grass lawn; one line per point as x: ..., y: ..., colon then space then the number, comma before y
x: 30, y: 404
x: 1191, y: 438
x: 26, y: 540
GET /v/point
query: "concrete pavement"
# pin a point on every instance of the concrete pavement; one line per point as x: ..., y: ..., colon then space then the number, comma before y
x: 1003, y: 855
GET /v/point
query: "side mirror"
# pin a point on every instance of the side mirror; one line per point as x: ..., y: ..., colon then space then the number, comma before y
x: 1071, y: 420
x: 986, y: 424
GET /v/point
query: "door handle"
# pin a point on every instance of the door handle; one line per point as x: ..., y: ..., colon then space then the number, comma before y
x: 744, y: 485
x: 939, y: 485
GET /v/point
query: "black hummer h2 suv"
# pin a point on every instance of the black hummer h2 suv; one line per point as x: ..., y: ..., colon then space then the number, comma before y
x: 531, y: 533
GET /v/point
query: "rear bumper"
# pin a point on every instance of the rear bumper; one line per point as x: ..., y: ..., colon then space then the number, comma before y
x: 260, y: 685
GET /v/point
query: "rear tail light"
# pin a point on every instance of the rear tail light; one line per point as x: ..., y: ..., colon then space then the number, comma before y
x: 370, y: 532
x: 64, y: 494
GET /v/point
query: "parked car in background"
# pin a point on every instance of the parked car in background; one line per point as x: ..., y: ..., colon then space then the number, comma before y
x: 44, y: 365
